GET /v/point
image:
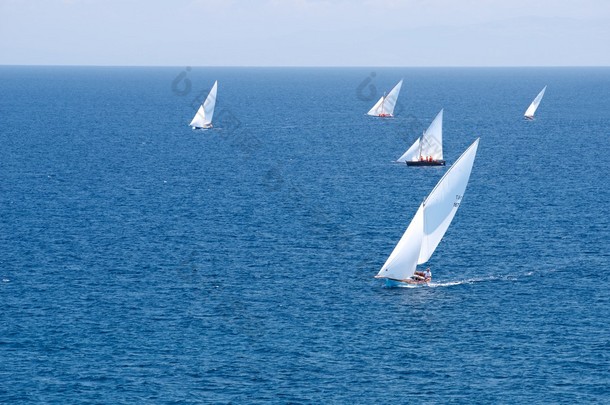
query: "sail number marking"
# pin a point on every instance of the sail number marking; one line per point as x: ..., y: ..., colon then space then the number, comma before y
x: 458, y: 199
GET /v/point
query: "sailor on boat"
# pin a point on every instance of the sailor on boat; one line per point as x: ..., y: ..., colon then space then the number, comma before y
x: 422, y: 275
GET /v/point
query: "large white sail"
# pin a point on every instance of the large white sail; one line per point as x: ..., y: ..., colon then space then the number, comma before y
x: 199, y: 118
x: 444, y: 200
x: 390, y: 100
x: 385, y: 105
x: 203, y: 118
x: 432, y: 139
x: 412, y: 153
x: 377, y: 108
x: 431, y: 220
x: 531, y: 110
x: 403, y: 260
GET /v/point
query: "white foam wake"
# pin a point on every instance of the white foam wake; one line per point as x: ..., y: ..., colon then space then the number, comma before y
x: 507, y: 277
x: 450, y: 283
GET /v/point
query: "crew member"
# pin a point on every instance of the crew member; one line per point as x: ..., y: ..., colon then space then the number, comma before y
x: 428, y: 274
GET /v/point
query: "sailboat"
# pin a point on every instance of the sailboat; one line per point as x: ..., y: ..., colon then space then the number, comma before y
x: 385, y: 106
x: 429, y: 225
x: 427, y: 149
x: 529, y: 113
x: 203, y: 118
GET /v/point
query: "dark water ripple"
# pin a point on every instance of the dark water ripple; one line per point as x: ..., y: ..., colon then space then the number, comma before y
x: 143, y: 262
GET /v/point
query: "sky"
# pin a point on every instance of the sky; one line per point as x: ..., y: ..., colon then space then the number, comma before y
x: 305, y: 32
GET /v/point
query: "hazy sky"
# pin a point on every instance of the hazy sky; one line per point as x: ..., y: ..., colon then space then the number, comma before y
x: 306, y: 32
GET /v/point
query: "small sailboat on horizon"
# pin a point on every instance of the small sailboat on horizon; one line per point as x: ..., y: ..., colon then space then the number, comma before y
x: 531, y: 110
x: 384, y: 108
x: 203, y: 117
x: 429, y: 225
x: 427, y: 150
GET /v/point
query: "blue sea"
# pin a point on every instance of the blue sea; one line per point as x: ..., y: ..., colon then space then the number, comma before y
x: 144, y: 262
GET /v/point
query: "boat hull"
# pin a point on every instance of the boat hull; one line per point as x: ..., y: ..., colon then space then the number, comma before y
x: 426, y: 163
x: 390, y: 283
x: 206, y: 127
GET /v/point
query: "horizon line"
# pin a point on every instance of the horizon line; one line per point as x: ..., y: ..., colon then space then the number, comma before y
x: 315, y: 66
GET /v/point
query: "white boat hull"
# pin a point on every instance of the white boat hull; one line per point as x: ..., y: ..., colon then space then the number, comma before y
x: 391, y: 283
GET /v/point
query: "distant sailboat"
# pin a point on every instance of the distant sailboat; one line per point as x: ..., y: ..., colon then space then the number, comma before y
x: 385, y: 106
x: 529, y: 113
x: 427, y: 149
x: 429, y: 225
x: 203, y: 118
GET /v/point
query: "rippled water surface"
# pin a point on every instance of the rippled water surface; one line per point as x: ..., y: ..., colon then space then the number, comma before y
x: 142, y: 261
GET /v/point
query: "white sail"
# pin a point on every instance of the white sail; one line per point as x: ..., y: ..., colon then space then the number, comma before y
x: 531, y: 110
x: 376, y: 110
x: 411, y: 154
x: 199, y: 118
x: 403, y: 260
x: 444, y: 200
x: 386, y: 104
x: 210, y: 103
x: 432, y: 139
x: 431, y: 220
x: 390, y: 100
x: 203, y: 118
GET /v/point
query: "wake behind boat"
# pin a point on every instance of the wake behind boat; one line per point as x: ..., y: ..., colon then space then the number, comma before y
x: 531, y: 110
x: 385, y: 106
x: 203, y: 118
x: 427, y: 149
x: 429, y: 225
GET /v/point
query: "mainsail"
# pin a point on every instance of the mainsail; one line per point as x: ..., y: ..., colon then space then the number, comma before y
x: 385, y: 105
x: 529, y: 113
x: 203, y: 118
x: 431, y: 221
